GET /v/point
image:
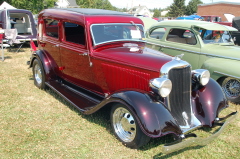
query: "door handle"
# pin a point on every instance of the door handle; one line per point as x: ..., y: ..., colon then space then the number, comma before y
x: 84, y: 54
x: 55, y: 45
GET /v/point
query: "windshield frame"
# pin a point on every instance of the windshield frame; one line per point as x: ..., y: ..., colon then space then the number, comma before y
x: 137, y: 26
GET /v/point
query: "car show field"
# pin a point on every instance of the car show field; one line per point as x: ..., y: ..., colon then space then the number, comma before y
x: 41, y: 124
x: 99, y: 83
x: 110, y: 79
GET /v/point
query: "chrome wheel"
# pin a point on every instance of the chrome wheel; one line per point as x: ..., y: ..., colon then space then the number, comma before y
x: 124, y: 124
x: 38, y: 74
x: 231, y: 87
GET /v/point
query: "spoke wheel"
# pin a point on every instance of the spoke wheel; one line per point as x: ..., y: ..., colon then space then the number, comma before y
x: 231, y: 88
x: 126, y: 128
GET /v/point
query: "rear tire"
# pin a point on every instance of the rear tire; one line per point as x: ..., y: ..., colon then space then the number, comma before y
x: 126, y: 128
x: 231, y: 87
x: 38, y: 74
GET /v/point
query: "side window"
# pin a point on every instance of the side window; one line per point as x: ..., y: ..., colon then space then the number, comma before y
x: 51, y: 28
x: 181, y: 36
x: 158, y: 33
x: 74, y: 33
x: 190, y: 37
x: 209, y: 19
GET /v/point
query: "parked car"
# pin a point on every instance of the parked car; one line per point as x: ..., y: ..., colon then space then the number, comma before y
x: 236, y: 34
x: 98, y: 58
x: 205, y: 45
x: 20, y: 19
x: 215, y: 19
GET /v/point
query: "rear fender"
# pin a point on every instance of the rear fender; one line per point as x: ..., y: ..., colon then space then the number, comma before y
x: 207, y: 102
x: 154, y: 118
x: 47, y: 63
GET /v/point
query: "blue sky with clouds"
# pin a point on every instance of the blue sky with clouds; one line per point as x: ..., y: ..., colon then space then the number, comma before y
x: 154, y: 3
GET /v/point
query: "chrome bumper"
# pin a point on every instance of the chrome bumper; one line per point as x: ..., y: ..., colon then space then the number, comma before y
x: 198, y: 140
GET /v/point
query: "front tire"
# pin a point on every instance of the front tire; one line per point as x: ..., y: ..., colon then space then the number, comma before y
x: 231, y: 88
x: 38, y: 74
x: 126, y: 128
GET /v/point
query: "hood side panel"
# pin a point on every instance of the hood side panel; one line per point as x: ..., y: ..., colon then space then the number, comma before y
x: 121, y: 78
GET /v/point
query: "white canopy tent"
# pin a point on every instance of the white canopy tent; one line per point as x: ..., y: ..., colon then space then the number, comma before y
x: 5, y: 5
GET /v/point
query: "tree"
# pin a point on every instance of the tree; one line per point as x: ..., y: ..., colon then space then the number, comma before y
x: 157, y: 13
x: 192, y: 7
x: 177, y: 8
x: 34, y: 6
x: 99, y: 4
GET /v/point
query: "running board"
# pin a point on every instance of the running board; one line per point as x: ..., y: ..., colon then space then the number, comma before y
x: 79, y: 99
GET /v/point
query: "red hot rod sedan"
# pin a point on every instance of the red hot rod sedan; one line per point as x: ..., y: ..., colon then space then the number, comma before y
x: 98, y: 58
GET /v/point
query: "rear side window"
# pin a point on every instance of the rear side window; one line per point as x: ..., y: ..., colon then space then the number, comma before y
x: 181, y: 36
x: 158, y: 33
x: 51, y: 27
x: 74, y: 33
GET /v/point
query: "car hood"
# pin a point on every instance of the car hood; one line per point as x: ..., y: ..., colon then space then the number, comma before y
x: 133, y: 55
x: 223, y: 50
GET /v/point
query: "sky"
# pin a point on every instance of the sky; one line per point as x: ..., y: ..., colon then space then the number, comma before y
x: 150, y: 4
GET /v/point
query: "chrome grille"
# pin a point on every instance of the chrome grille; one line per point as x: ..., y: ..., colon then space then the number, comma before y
x: 179, y: 98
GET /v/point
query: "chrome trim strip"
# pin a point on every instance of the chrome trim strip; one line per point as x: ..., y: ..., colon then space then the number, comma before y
x: 175, y: 63
x: 197, y: 140
x: 164, y: 46
x: 118, y: 40
x: 226, y: 74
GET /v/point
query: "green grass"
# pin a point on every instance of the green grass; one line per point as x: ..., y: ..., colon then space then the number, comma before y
x: 40, y: 124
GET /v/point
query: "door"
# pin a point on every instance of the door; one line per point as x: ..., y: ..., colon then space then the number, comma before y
x: 75, y: 56
x: 50, y: 42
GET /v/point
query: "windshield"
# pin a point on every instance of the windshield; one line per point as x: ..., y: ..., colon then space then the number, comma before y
x: 103, y: 33
x: 215, y: 36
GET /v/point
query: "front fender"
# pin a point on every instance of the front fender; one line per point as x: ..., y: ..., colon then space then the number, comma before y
x: 208, y: 102
x: 219, y: 67
x: 154, y: 118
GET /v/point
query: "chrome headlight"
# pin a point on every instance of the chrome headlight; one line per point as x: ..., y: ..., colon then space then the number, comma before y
x: 201, y: 75
x: 162, y: 86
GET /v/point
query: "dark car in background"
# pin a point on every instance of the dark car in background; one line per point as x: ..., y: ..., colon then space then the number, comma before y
x: 97, y: 58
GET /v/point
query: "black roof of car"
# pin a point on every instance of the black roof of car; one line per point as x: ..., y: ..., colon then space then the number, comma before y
x: 88, y: 11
